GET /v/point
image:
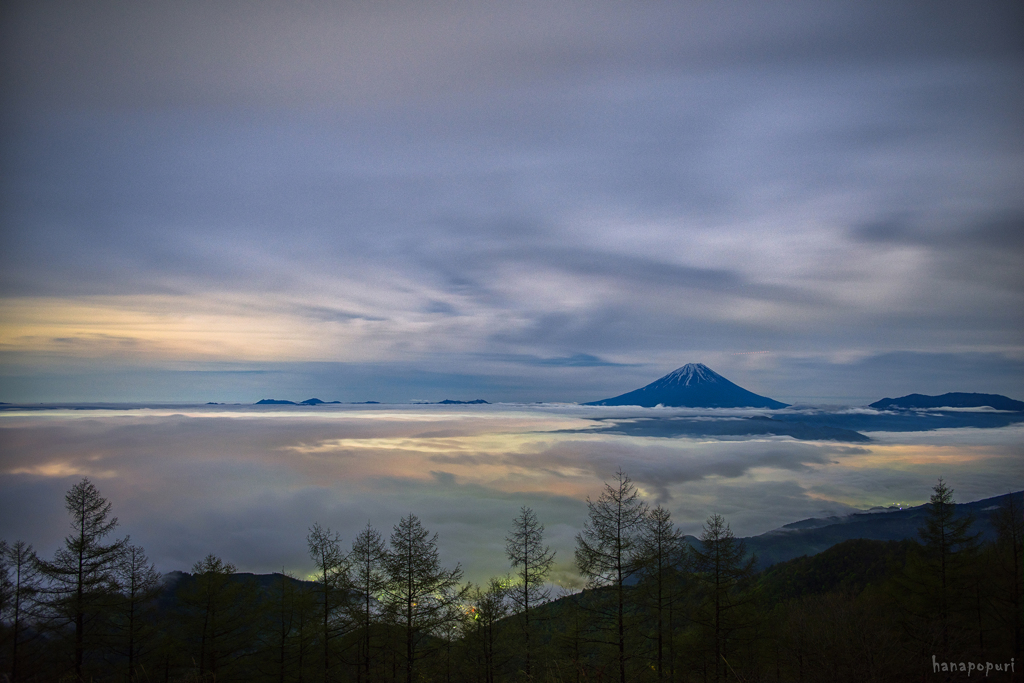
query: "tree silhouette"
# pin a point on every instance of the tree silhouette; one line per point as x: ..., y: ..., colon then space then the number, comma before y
x: 81, y: 575
x: 290, y: 611
x: 219, y: 611
x: 139, y: 582
x: 1008, y: 573
x: 532, y: 561
x: 662, y: 550
x: 488, y: 607
x: 608, y: 551
x: 20, y: 577
x: 418, y: 588
x: 932, y: 590
x: 368, y: 579
x: 331, y: 580
x: 721, y: 572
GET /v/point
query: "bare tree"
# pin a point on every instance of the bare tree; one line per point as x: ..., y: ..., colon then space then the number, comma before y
x: 140, y: 583
x: 368, y: 579
x: 933, y: 590
x: 662, y: 549
x: 331, y: 579
x: 21, y: 586
x: 721, y: 569
x: 488, y: 607
x: 81, y: 576
x: 290, y: 607
x: 5, y: 578
x: 608, y: 550
x: 419, y: 588
x: 1008, y: 571
x: 949, y: 546
x: 218, y: 611
x: 532, y: 561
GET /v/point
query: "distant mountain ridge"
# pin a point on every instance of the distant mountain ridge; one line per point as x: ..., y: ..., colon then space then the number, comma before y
x: 950, y: 400
x: 694, y: 385
x: 815, y: 535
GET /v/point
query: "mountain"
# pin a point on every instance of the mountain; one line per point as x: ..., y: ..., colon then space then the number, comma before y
x: 950, y: 400
x: 274, y: 402
x: 694, y: 385
x: 812, y: 536
x: 848, y: 567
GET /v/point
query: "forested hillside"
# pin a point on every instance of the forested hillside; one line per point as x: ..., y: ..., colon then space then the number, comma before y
x: 655, y: 608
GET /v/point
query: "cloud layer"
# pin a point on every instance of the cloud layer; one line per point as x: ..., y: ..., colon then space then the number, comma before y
x: 460, y: 187
x: 247, y: 483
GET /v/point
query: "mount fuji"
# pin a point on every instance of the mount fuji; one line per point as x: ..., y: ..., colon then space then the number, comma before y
x: 694, y: 385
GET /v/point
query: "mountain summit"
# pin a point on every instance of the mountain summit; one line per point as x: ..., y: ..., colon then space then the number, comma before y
x: 694, y: 385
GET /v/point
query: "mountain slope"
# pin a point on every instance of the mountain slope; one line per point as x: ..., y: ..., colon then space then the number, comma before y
x: 812, y: 536
x: 694, y: 385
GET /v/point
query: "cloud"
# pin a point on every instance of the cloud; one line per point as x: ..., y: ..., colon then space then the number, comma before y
x: 554, y: 186
x: 246, y: 483
x: 576, y: 360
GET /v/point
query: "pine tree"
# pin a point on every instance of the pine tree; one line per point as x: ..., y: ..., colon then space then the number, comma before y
x: 82, y: 585
x: 418, y: 588
x: 933, y: 588
x: 1008, y: 572
x: 608, y: 549
x: 140, y: 584
x: 662, y: 550
x: 5, y: 579
x: 368, y: 579
x: 21, y: 584
x: 532, y: 561
x: 290, y: 609
x: 219, y: 616
x: 722, y: 574
x: 332, y: 580
x: 489, y: 607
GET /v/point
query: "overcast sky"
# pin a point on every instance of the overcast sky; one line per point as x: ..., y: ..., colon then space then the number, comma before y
x: 512, y: 201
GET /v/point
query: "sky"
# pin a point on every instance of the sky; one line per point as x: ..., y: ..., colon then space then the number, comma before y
x: 246, y: 483
x: 517, y: 201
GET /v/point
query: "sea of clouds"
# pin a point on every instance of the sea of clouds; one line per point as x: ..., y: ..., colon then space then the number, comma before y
x: 246, y: 482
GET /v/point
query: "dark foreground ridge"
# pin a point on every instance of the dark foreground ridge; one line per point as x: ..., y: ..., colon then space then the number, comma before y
x: 950, y: 400
x: 388, y: 611
x: 694, y: 385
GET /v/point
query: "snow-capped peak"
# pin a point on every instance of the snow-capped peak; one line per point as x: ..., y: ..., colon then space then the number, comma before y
x: 692, y: 373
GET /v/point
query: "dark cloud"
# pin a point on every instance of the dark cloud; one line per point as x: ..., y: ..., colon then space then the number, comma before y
x: 280, y: 53
x: 471, y: 189
x: 576, y: 360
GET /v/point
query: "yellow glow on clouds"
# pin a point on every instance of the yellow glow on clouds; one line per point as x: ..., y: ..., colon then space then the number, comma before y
x: 503, y: 449
x: 247, y: 482
x: 167, y: 327
x: 237, y: 327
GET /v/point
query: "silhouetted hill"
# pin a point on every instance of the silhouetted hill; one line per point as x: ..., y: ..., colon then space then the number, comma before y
x: 694, y: 385
x: 274, y: 402
x: 812, y: 536
x: 847, y: 567
x: 950, y: 400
